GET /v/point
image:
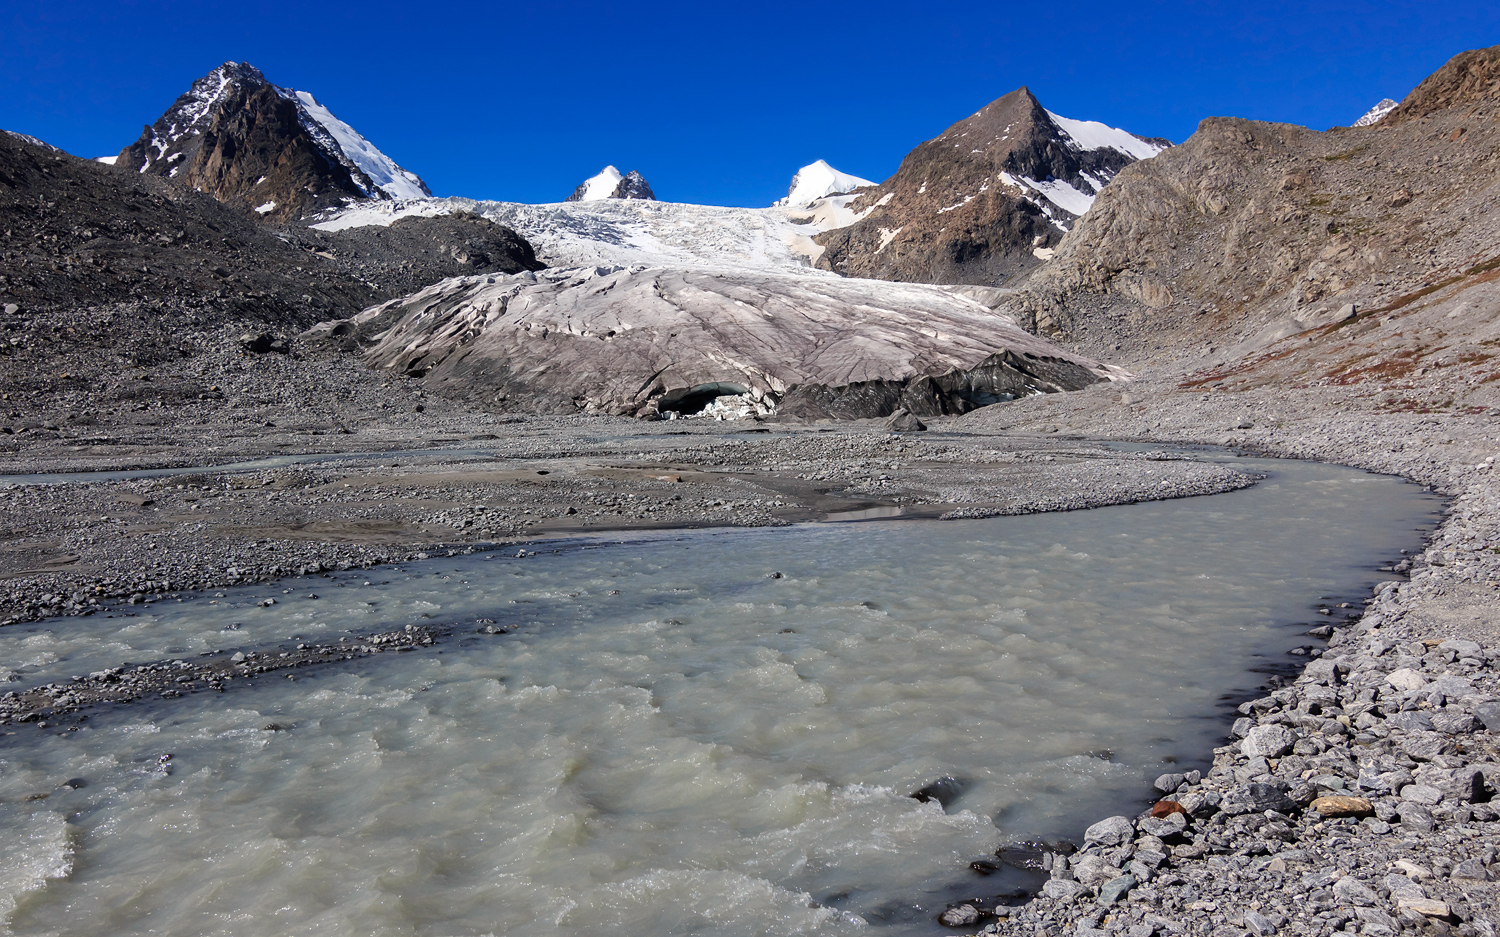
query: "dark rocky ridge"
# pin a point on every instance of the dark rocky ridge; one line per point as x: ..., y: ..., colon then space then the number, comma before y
x: 104, y: 270
x: 249, y: 144
x: 954, y: 219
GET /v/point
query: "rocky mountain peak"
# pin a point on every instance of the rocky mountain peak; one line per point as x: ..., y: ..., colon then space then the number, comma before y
x: 987, y: 198
x: 609, y: 183
x: 265, y: 149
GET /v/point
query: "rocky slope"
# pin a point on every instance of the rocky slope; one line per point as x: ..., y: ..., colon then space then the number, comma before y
x: 610, y: 184
x: 1250, y: 233
x: 264, y: 149
x: 984, y: 200
x: 648, y: 340
x: 105, y: 272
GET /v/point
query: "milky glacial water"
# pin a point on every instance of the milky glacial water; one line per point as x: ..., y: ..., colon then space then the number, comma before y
x: 669, y: 740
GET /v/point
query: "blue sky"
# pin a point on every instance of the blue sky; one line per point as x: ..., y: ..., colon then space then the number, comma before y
x: 716, y: 103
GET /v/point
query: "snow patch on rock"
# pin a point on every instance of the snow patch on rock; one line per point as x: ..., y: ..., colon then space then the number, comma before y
x: 1374, y: 114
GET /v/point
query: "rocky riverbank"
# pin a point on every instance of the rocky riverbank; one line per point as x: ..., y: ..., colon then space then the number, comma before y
x: 1357, y: 798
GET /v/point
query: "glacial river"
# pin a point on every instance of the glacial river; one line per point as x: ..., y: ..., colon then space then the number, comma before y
x: 672, y: 738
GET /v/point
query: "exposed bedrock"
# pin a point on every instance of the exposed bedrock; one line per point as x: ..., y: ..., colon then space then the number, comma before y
x: 645, y: 340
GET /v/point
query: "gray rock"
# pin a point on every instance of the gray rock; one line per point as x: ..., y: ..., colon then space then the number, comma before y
x: 1415, y: 817
x: 1472, y: 869
x: 959, y: 916
x: 1489, y: 714
x: 1115, y: 889
x: 1258, y: 924
x: 1269, y: 741
x: 1168, y: 783
x: 1255, y: 798
x: 1059, y: 889
x: 1421, y: 794
x: 1112, y: 831
x: 1094, y: 870
x: 1169, y: 825
x: 1351, y: 891
x: 1402, y: 887
x: 1413, y: 721
x: 903, y: 421
x: 1324, y: 670
x: 1463, y: 648
x: 1425, y: 746
x: 1455, y: 723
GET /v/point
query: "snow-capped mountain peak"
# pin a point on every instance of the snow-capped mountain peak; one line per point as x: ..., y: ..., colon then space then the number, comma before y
x: 610, y: 184
x: 820, y: 180
x: 1374, y: 114
x: 598, y: 186
x: 234, y: 104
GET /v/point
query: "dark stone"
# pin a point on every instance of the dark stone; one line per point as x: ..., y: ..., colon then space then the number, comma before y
x: 944, y: 790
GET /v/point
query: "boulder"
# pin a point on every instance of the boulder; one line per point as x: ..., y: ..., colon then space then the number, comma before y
x: 1112, y: 831
x: 903, y: 421
x: 1268, y: 741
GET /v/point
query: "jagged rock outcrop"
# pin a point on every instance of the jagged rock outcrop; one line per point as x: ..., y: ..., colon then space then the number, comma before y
x: 983, y: 201
x: 1250, y: 231
x: 1471, y: 77
x: 646, y: 340
x: 265, y: 150
x: 610, y: 184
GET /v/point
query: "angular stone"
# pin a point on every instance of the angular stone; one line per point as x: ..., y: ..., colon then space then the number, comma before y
x: 1168, y: 783
x: 1425, y: 906
x: 1351, y: 891
x: 1409, y: 721
x: 1343, y: 806
x: 1113, y: 831
x: 1416, y: 817
x: 1115, y: 889
x: 1255, y: 798
x: 1463, y: 648
x: 1489, y: 714
x: 1269, y: 741
x: 1402, y: 887
x: 1162, y: 827
x: 1324, y: 670
x: 1258, y: 924
x: 1453, y: 723
x: 1406, y: 679
x: 1472, y: 869
x: 1422, y: 794
x: 903, y: 421
x: 959, y: 916
x: 1060, y: 889
x: 1424, y: 747
x: 1094, y: 870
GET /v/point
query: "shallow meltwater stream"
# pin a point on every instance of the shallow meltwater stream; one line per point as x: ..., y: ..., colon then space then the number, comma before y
x: 671, y: 738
